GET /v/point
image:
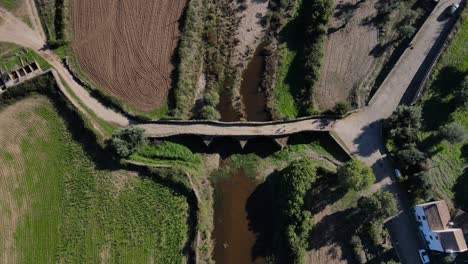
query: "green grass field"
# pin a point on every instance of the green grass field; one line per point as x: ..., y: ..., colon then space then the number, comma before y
x: 449, y: 160
x: 13, y: 57
x: 9, y: 4
x: 57, y: 205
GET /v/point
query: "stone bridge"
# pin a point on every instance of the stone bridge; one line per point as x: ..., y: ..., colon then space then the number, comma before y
x: 279, y: 131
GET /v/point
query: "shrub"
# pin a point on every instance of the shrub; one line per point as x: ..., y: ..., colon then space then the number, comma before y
x: 377, y: 206
x: 449, y: 259
x: 410, y: 156
x: 355, y: 175
x: 210, y: 113
x: 453, y: 133
x: 295, y: 222
x: 127, y: 140
x: 341, y: 108
x: 358, y: 249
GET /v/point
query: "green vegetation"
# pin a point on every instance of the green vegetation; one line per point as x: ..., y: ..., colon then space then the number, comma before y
x: 13, y: 57
x: 205, y: 46
x: 440, y: 172
x: 355, y: 175
x: 294, y: 221
x: 9, y: 4
x: 126, y: 141
x: 55, y: 17
x: 168, y: 153
x: 371, y: 240
x: 76, y: 213
x: 300, y: 50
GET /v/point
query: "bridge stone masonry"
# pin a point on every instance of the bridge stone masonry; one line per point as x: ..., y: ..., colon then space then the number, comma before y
x: 278, y: 131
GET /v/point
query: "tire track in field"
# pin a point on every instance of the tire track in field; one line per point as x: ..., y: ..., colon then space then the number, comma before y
x: 131, y: 56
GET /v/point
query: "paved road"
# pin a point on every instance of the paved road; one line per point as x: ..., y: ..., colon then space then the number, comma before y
x: 361, y: 132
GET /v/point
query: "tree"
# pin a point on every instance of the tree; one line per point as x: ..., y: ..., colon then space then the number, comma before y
x: 452, y: 132
x: 127, y: 140
x: 355, y: 175
x: 410, y: 155
x: 377, y: 206
x: 405, y: 116
x: 294, y: 221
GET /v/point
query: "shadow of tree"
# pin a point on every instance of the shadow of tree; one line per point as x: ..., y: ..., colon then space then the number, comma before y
x: 326, y: 191
x: 460, y: 187
x: 370, y: 140
x: 261, y: 216
x: 335, y: 229
x: 437, y: 109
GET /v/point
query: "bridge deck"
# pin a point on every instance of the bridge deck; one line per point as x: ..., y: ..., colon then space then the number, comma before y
x: 245, y: 129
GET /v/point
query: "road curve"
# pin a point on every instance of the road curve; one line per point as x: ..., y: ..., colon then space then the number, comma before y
x: 361, y: 132
x: 16, y: 31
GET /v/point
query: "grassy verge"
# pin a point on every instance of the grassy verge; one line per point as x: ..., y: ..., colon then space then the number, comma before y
x: 9, y: 4
x: 55, y: 17
x: 300, y: 54
x: 77, y: 213
x: 448, y: 162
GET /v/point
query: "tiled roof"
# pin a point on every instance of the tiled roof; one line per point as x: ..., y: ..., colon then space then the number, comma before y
x: 452, y: 240
x: 437, y: 215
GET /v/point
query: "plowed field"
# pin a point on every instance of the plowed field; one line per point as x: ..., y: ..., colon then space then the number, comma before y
x: 126, y: 46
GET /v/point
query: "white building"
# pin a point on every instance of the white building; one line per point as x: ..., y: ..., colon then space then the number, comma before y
x: 434, y: 222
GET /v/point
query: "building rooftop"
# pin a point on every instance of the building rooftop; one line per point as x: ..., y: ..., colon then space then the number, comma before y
x: 437, y: 215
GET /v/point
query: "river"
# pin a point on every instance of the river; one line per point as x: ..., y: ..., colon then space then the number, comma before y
x: 252, y: 97
x: 234, y: 240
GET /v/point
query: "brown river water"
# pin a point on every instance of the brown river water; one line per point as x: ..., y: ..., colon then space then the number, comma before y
x: 252, y: 97
x: 234, y: 240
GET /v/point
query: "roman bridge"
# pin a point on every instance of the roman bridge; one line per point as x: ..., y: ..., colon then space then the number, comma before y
x: 278, y: 131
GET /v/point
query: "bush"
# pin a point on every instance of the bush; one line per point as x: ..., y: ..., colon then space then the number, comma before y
x: 126, y: 141
x: 453, y: 133
x: 377, y: 206
x: 358, y: 249
x: 410, y: 156
x: 210, y: 113
x: 355, y: 175
x: 341, y: 108
x: 295, y: 222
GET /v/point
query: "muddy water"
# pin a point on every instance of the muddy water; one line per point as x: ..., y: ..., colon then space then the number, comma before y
x: 253, y: 98
x: 234, y: 240
x: 225, y: 108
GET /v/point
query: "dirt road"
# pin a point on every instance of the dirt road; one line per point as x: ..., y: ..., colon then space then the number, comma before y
x: 16, y: 31
x: 361, y: 132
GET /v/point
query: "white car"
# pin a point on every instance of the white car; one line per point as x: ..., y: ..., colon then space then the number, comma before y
x: 424, y: 256
x: 453, y: 8
x: 397, y: 173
